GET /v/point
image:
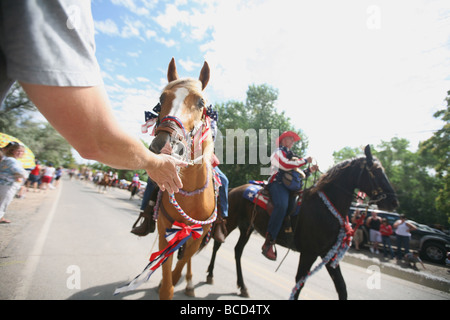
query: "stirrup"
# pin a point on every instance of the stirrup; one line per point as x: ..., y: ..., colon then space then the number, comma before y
x: 147, y: 223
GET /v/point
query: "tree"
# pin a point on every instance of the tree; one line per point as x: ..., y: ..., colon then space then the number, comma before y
x: 16, y: 119
x: 346, y: 153
x: 415, y: 185
x: 436, y: 151
x: 16, y: 109
x: 247, y: 133
x: 409, y: 172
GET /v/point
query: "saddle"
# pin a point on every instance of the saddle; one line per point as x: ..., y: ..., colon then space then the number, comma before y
x: 258, y: 193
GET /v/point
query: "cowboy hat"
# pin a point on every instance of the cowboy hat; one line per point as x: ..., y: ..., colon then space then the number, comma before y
x: 288, y: 134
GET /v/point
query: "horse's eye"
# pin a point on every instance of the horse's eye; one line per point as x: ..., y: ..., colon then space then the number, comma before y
x: 161, y: 98
x: 201, y: 103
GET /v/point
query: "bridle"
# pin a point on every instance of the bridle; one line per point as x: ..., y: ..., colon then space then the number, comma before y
x: 182, y: 141
x: 377, y: 193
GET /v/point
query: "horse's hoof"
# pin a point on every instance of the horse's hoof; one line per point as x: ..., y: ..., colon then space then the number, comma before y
x: 190, y: 292
x: 244, y: 293
x: 209, y: 280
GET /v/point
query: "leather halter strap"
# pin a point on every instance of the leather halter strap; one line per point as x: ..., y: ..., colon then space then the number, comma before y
x: 172, y: 125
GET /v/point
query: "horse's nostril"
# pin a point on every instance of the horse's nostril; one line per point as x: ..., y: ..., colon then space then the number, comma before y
x: 159, y: 142
x: 152, y: 149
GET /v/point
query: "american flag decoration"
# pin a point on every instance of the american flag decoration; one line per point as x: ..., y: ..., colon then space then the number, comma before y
x: 176, y: 236
x: 213, y: 114
x: 150, y: 118
x: 360, y: 198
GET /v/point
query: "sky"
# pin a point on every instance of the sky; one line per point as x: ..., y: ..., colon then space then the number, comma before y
x: 348, y: 73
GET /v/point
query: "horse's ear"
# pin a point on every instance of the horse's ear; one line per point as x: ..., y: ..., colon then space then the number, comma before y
x: 204, y: 75
x: 172, y: 73
x: 369, y: 157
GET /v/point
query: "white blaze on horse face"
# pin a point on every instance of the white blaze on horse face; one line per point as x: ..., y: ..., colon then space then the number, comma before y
x: 178, y: 102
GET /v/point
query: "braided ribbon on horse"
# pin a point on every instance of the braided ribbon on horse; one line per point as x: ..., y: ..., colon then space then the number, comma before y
x: 176, y: 237
x: 339, y: 249
x: 184, y: 215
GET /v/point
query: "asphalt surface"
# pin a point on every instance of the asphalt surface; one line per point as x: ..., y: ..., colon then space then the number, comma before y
x: 434, y: 276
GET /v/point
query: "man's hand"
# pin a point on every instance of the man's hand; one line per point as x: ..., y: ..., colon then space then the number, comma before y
x: 165, y: 173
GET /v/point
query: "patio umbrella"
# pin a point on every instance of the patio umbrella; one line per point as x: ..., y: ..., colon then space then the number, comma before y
x: 27, y: 159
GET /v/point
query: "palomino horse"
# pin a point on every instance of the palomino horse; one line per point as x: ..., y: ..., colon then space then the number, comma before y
x: 182, y: 130
x: 316, y: 230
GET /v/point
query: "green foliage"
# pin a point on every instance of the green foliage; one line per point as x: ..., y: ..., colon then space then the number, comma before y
x: 415, y: 185
x: 420, y: 178
x: 247, y: 133
x: 436, y: 151
x: 46, y: 143
x: 346, y: 153
x: 16, y: 110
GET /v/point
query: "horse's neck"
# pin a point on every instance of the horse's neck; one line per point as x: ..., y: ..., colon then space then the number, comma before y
x: 341, y: 193
x: 195, y: 177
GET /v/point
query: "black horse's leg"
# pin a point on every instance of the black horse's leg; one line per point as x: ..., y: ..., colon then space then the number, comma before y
x: 238, y: 249
x: 338, y: 280
x: 210, y: 277
x: 304, y: 266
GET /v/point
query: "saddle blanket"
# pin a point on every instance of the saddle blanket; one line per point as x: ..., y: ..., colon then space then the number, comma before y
x: 252, y: 194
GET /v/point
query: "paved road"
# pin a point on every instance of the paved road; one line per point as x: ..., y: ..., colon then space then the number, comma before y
x: 78, y: 246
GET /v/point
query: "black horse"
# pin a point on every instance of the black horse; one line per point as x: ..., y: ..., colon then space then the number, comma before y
x: 315, y: 229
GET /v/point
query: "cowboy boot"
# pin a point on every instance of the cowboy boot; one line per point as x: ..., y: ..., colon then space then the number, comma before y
x: 268, y: 249
x: 147, y: 224
x: 220, y: 230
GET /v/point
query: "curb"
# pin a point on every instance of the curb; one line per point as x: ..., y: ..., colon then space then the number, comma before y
x: 394, y: 270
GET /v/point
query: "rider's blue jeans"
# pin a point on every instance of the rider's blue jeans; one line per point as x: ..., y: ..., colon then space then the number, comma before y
x: 147, y: 193
x: 223, y: 193
x: 280, y: 198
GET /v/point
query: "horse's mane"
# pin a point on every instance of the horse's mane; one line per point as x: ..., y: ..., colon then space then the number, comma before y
x: 334, y: 174
x: 188, y: 83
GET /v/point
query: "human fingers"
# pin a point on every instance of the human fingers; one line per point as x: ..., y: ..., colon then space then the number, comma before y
x: 166, y: 175
x: 170, y: 187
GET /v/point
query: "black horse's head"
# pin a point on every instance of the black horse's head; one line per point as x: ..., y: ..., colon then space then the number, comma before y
x: 373, y: 181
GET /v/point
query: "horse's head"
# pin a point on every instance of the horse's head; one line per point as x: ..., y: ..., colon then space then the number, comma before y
x: 373, y: 181
x: 183, y: 113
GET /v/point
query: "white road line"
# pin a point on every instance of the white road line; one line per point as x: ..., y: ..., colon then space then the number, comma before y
x: 21, y: 292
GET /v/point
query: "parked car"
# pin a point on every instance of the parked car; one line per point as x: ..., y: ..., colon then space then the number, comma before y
x: 432, y: 244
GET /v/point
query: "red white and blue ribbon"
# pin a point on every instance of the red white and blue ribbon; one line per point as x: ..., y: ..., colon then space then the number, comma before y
x: 176, y: 236
x: 180, y: 210
x: 150, y: 118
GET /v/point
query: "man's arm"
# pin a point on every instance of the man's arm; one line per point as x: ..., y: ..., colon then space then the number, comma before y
x: 83, y: 116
